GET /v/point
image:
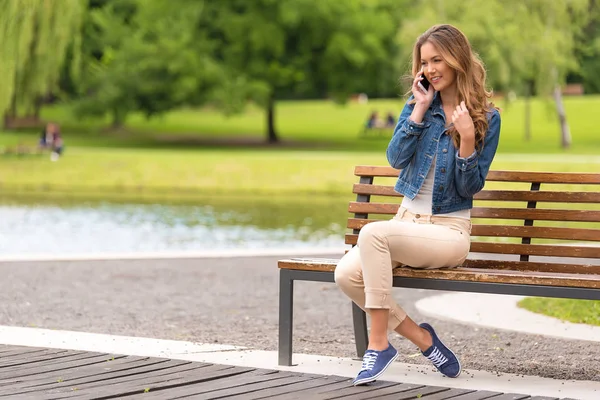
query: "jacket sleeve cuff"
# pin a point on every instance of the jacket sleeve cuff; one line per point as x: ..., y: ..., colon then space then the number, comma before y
x: 465, y: 164
x: 413, y: 128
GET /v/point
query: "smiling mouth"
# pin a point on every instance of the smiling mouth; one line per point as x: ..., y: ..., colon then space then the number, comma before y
x: 435, y: 80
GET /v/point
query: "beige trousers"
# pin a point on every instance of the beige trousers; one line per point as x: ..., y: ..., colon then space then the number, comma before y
x: 420, y: 241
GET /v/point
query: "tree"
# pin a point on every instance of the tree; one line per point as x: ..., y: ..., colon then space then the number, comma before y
x: 588, y: 50
x: 36, y: 37
x: 145, y: 56
x: 526, y: 44
x: 272, y: 48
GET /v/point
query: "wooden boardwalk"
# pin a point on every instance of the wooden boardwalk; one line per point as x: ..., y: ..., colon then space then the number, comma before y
x: 38, y: 373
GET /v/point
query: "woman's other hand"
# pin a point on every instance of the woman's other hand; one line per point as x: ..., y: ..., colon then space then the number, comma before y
x: 463, y: 123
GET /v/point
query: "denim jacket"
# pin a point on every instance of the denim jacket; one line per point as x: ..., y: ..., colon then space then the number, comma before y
x: 456, y: 179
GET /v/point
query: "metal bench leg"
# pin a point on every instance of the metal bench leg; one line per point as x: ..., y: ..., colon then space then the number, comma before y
x: 286, y: 312
x: 361, y: 337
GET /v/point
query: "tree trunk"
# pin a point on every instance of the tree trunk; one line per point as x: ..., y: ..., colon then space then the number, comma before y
x: 272, y: 136
x: 118, y: 119
x: 13, y: 106
x: 37, y: 107
x: 11, y: 114
x: 562, y: 117
x: 528, y: 94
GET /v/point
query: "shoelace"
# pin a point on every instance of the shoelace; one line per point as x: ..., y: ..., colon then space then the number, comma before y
x: 437, y: 358
x: 369, y: 361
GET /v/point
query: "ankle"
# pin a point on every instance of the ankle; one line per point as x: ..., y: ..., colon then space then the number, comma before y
x: 378, y: 345
x: 426, y: 340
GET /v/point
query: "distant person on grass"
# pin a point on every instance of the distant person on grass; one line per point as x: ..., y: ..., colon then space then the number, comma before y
x: 51, y: 139
x: 373, y: 122
x: 390, y: 120
x: 444, y: 143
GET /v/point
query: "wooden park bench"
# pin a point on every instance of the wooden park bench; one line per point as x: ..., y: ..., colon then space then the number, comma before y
x: 525, y: 241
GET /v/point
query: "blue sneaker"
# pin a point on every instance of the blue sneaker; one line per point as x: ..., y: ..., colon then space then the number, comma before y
x: 441, y: 356
x: 374, y: 364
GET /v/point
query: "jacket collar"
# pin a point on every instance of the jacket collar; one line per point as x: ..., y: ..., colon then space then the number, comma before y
x: 436, y: 105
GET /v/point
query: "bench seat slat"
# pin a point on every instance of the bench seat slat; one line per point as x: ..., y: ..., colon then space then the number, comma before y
x: 326, y: 264
x: 498, y: 176
x: 533, y: 266
x: 491, y: 212
x: 466, y: 273
x: 520, y: 249
x: 540, y: 232
x: 497, y: 195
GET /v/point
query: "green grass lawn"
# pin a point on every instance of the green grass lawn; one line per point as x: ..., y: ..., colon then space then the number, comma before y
x: 168, y: 154
x: 577, y: 311
x: 224, y: 172
x: 321, y: 124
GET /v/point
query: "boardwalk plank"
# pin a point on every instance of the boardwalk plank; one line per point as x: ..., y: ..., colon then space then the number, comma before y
x: 250, y: 388
x: 379, y: 388
x: 117, y: 385
x: 479, y: 395
x: 34, y: 372
x: 65, y: 367
x: 512, y: 396
x: 420, y: 393
x: 100, y: 372
x: 109, y: 389
x: 50, y: 357
x: 250, y: 378
x: 448, y: 394
x: 16, y: 355
x: 99, y: 367
x: 136, y: 371
x: 124, y: 379
x: 288, y: 389
x: 543, y: 398
x: 314, y: 393
x: 16, y: 349
x: 24, y: 370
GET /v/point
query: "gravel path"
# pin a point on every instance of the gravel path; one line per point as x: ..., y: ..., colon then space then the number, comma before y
x: 235, y: 301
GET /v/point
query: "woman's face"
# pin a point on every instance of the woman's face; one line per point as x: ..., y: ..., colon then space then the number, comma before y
x: 435, y: 69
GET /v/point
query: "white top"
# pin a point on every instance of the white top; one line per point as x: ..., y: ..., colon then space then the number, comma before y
x: 423, y: 201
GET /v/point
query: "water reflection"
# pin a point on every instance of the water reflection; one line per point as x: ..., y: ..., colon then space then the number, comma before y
x: 42, y: 227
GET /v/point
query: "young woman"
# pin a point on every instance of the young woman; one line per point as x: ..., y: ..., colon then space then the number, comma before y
x: 444, y: 143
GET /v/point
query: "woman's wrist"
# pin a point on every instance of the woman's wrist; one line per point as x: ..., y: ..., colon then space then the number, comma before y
x: 467, y: 146
x: 418, y: 112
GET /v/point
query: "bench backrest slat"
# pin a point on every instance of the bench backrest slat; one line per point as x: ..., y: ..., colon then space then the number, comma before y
x: 498, y: 176
x: 505, y: 195
x: 513, y: 231
x: 496, y: 213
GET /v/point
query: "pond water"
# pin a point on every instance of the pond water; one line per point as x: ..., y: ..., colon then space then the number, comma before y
x: 99, y: 227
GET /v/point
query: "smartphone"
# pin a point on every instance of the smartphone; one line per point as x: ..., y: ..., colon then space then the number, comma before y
x: 424, y: 84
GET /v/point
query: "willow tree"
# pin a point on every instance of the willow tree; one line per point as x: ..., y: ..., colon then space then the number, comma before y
x: 526, y: 44
x: 35, y: 38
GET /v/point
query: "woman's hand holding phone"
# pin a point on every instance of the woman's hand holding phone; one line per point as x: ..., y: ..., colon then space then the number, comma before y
x: 422, y: 97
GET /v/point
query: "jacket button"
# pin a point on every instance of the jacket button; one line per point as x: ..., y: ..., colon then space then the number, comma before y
x: 441, y: 187
x: 443, y: 170
x: 445, y: 151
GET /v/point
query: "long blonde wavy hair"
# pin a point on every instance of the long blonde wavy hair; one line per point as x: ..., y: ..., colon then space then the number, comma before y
x: 455, y: 49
